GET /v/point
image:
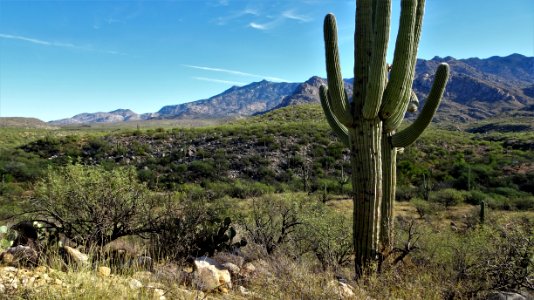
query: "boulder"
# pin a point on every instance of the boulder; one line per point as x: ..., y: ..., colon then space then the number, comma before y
x: 224, y: 257
x: 20, y: 256
x: 234, y: 270
x: 506, y: 296
x: 209, y: 275
x: 244, y: 292
x: 103, y: 271
x: 135, y: 284
x: 342, y: 289
x: 75, y: 256
x: 248, y: 270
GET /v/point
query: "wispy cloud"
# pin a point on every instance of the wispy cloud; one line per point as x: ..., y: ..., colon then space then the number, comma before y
x: 290, y: 14
x: 55, y: 44
x: 267, y: 25
x: 35, y: 41
x: 234, y: 72
x: 242, y: 13
x: 219, y: 80
x: 279, y: 19
x: 260, y: 26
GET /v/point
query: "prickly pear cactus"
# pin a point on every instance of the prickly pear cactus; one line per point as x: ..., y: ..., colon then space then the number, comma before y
x: 221, y: 240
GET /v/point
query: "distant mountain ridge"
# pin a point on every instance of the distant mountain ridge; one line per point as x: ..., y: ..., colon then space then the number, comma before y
x: 21, y: 122
x: 477, y: 89
x: 118, y: 115
x: 234, y: 102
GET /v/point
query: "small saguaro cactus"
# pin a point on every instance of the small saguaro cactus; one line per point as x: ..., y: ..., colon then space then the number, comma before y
x: 482, y: 212
x: 368, y: 123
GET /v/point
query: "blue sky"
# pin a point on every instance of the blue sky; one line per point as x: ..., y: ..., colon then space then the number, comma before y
x: 63, y: 57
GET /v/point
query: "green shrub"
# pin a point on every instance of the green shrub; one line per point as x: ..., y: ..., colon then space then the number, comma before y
x: 273, y: 220
x: 524, y: 203
x: 94, y: 206
x: 327, y: 235
x: 425, y: 208
x: 474, y: 197
x: 448, y: 197
x: 244, y: 189
x: 473, y: 263
x: 194, y: 227
x: 201, y: 169
x: 405, y: 193
x: 192, y: 191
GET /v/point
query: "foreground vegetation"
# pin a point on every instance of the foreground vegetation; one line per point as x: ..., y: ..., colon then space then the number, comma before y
x: 298, y: 244
x: 273, y: 190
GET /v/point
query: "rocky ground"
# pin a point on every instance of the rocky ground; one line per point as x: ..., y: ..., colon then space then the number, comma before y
x: 209, y: 280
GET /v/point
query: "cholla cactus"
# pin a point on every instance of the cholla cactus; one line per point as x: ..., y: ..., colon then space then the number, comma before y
x: 368, y: 124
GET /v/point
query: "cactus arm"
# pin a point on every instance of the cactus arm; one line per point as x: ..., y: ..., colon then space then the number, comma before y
x: 377, y: 76
x: 340, y: 130
x: 362, y: 53
x: 419, y: 23
x: 399, y: 81
x: 338, y: 100
x: 397, y: 116
x: 407, y: 136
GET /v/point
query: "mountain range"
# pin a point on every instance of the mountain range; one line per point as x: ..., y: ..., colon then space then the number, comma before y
x: 477, y: 89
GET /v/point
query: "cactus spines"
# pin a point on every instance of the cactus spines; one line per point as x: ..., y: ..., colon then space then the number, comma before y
x: 368, y: 123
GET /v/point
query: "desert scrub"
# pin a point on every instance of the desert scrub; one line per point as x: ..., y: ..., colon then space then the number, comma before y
x: 448, y: 197
x: 94, y: 206
x: 326, y: 235
x: 426, y: 209
x: 483, y: 258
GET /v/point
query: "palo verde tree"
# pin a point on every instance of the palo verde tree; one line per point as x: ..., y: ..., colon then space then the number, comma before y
x: 368, y: 124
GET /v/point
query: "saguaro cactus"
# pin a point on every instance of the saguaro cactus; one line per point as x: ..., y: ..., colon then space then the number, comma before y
x: 482, y: 212
x: 368, y: 123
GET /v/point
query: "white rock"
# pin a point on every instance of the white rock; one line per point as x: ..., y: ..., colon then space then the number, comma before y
x: 346, y: 290
x: 9, y: 269
x: 76, y: 256
x: 103, y: 271
x: 244, y: 291
x: 210, y: 275
x: 342, y: 289
x: 160, y: 294
x: 233, y: 268
x: 135, y: 284
x: 249, y: 268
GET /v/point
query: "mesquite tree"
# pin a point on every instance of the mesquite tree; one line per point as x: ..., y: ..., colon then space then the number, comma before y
x: 368, y: 124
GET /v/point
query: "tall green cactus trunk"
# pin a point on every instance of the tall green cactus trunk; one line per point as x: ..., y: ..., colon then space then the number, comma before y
x: 389, y: 179
x: 368, y: 123
x: 366, y: 181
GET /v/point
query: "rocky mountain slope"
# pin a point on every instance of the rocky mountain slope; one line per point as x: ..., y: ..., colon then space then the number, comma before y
x: 21, y: 122
x: 477, y: 89
x: 119, y: 115
x: 234, y: 102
